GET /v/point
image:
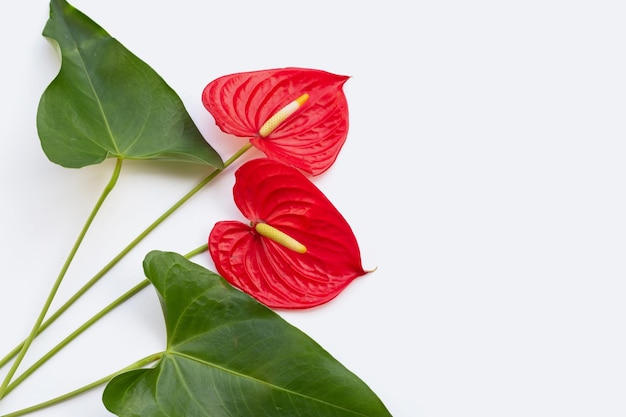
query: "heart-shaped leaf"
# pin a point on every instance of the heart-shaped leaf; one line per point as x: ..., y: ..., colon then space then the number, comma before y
x: 228, y: 355
x: 105, y: 102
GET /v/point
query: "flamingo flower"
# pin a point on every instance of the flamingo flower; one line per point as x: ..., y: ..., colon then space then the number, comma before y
x: 297, y: 250
x: 294, y: 115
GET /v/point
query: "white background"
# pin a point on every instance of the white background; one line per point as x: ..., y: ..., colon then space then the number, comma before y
x: 483, y: 176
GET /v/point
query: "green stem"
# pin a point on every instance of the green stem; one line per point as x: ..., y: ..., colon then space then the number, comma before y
x: 17, y: 381
x: 197, y: 251
x: 137, y: 365
x: 34, y: 331
x: 114, y: 304
x: 6, y: 388
x: 123, y: 253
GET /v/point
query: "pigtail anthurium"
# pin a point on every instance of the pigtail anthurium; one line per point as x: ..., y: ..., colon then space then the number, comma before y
x: 294, y: 115
x: 297, y: 251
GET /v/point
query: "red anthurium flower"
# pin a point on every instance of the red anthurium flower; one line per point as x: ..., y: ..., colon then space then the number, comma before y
x: 294, y: 115
x: 297, y: 251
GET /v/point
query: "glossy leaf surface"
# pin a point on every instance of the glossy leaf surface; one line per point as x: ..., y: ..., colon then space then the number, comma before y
x: 227, y: 355
x: 270, y: 192
x: 310, y: 139
x: 105, y: 102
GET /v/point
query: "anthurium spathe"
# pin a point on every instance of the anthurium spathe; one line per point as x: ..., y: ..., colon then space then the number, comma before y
x: 294, y: 115
x: 297, y: 251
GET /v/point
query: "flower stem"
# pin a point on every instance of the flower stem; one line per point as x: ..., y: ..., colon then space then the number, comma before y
x: 114, y: 304
x: 17, y: 381
x: 41, y: 325
x: 200, y: 249
x: 124, y: 252
x: 139, y: 364
x: 34, y: 331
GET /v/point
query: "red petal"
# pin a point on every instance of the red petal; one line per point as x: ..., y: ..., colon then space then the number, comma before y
x: 310, y: 139
x: 273, y: 193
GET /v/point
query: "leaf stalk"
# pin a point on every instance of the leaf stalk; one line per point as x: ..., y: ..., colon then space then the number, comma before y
x: 35, y: 329
x: 40, y: 325
x: 95, y: 318
x: 136, y: 365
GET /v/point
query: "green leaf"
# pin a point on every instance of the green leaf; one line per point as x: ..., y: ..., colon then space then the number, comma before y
x: 228, y: 355
x: 107, y: 103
